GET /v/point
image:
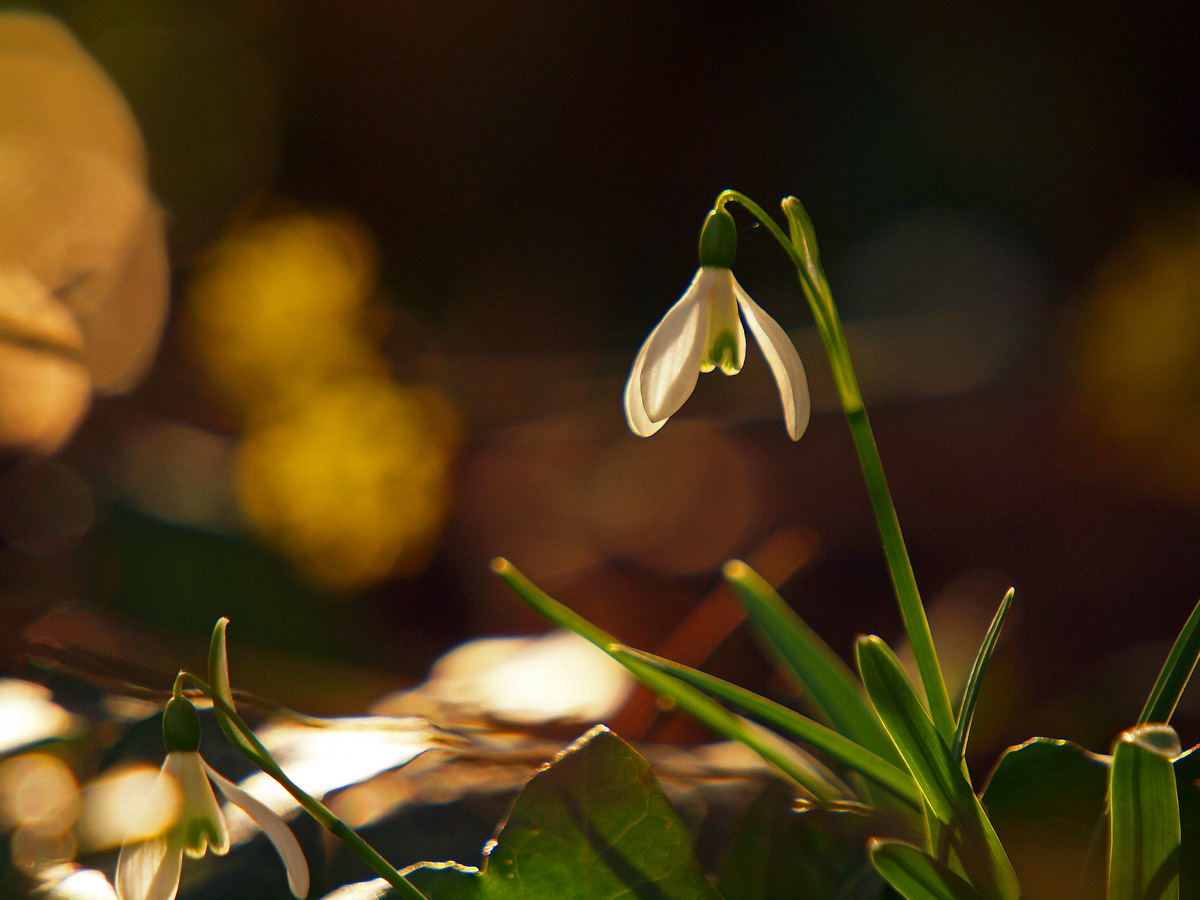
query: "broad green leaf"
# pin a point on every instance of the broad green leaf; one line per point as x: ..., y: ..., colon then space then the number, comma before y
x: 592, y: 825
x: 1047, y: 801
x: 782, y: 854
x: 828, y: 741
x: 1187, y: 785
x: 789, y: 761
x: 935, y: 769
x: 1143, y: 855
x: 917, y: 875
x: 1176, y: 672
x: 831, y: 686
x: 967, y: 713
x: 218, y: 680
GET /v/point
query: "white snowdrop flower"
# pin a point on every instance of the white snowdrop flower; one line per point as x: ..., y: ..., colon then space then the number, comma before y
x: 149, y: 865
x: 703, y: 331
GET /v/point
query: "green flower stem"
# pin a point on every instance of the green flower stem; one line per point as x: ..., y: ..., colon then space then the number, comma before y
x: 916, y: 624
x: 314, y: 807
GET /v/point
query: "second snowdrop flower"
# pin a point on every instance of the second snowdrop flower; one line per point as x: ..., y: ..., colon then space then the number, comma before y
x: 703, y: 331
x: 149, y: 867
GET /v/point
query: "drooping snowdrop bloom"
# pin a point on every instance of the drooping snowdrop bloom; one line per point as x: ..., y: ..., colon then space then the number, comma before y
x: 149, y: 865
x: 702, y: 332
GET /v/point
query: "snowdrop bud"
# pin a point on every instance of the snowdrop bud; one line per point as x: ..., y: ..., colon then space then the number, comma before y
x: 718, y: 240
x: 181, y: 726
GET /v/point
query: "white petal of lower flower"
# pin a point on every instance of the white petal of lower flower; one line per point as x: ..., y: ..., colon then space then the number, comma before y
x: 673, y: 351
x: 166, y: 880
x: 149, y: 870
x: 273, y: 826
x: 784, y: 361
x: 635, y: 411
x: 136, y: 867
x: 201, y: 822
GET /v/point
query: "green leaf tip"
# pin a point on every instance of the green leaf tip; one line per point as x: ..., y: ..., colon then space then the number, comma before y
x: 1175, y: 674
x: 971, y: 694
x: 1144, y: 825
x: 916, y: 875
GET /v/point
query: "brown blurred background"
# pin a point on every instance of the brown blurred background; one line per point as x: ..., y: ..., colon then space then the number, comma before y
x: 414, y: 248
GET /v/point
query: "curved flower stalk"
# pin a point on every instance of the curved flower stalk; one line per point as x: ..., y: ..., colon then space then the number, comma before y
x: 149, y: 866
x: 703, y: 331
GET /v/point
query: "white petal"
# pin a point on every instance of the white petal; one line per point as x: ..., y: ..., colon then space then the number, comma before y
x: 635, y: 411
x: 784, y: 361
x: 275, y: 828
x: 149, y: 869
x: 166, y: 880
x: 673, y: 350
x: 201, y: 821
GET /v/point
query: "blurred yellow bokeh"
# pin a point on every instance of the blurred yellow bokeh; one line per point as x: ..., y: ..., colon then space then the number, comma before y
x: 341, y: 468
x: 1138, y: 352
x: 354, y: 483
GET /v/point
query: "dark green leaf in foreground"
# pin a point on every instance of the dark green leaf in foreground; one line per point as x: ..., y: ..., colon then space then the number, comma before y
x: 1175, y: 674
x: 935, y: 769
x: 917, y: 875
x: 782, y: 854
x: 1046, y: 800
x: 1187, y: 785
x: 592, y: 825
x: 1143, y: 858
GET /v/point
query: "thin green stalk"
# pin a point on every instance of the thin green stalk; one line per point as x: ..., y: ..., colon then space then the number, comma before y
x: 262, y: 758
x: 820, y: 300
x: 903, y: 580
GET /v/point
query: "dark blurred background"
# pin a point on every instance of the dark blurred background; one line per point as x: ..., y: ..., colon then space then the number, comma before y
x: 414, y: 248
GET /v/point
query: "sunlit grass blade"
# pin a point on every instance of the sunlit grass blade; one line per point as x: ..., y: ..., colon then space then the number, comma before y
x: 1176, y: 672
x: 936, y: 771
x: 830, y: 682
x: 218, y: 677
x: 916, y: 875
x: 1143, y: 858
x: 967, y: 712
x: 686, y: 697
x: 842, y: 749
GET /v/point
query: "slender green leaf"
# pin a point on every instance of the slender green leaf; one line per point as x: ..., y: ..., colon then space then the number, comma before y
x: 1048, y: 801
x: 802, y: 770
x: 1144, y: 835
x: 967, y: 713
x: 781, y: 854
x: 832, y: 687
x: 593, y: 825
x: 1176, y: 672
x: 218, y: 680
x: 918, y: 876
x: 828, y: 741
x: 935, y: 769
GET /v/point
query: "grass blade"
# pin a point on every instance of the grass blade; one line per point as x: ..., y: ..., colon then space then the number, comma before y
x: 845, y: 751
x: 1143, y: 860
x: 936, y: 771
x: 916, y: 875
x: 801, y: 652
x: 686, y: 697
x: 1176, y: 672
x: 967, y: 712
